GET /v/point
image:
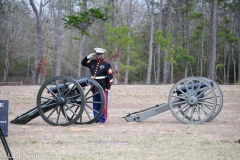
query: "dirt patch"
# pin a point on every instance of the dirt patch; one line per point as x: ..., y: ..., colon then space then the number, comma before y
x: 159, y: 137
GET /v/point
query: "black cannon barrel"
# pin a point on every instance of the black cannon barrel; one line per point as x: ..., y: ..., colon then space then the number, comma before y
x: 26, y: 117
x: 83, y: 82
x: 32, y: 113
x: 196, y: 85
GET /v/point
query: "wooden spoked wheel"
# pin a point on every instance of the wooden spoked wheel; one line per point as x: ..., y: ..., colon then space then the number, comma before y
x: 192, y: 100
x: 60, y: 101
x: 219, y: 97
x: 90, y: 114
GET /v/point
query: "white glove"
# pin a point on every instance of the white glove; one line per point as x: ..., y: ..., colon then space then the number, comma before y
x: 71, y: 86
x: 91, y: 55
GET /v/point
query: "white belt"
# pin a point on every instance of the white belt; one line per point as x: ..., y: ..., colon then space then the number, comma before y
x: 99, y: 77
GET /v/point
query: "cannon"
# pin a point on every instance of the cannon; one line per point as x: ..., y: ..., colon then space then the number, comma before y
x: 192, y: 100
x: 62, y: 101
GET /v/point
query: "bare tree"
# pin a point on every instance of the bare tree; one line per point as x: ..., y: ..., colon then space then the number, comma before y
x: 151, y: 11
x: 165, y: 64
x: 176, y: 28
x: 39, y: 56
x: 102, y: 26
x: 212, y: 55
x: 58, y: 37
x: 228, y: 67
x: 129, y: 23
x: 157, y: 79
x: 187, y: 38
x: 80, y: 56
x: 2, y: 3
x: 234, y: 68
x: 113, y: 13
x: 224, y: 61
x: 202, y: 40
x: 238, y: 42
x: 7, y: 43
x: 86, y: 39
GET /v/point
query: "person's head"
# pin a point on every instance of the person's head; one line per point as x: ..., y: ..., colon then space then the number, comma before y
x: 99, y: 53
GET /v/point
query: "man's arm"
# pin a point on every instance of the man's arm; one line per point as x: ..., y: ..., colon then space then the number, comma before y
x: 109, y: 77
x: 86, y: 61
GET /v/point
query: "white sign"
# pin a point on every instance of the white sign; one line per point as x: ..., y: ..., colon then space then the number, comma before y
x: 4, y: 116
x: 2, y: 104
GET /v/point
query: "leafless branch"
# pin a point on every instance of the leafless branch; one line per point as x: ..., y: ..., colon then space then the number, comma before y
x: 2, y: 3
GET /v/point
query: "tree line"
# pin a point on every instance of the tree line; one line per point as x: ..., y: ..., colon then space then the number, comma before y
x: 147, y: 41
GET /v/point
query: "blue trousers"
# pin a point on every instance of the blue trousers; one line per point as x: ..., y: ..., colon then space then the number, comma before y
x: 97, y: 106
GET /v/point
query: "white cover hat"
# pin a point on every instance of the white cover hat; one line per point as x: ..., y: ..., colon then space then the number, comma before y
x: 99, y: 50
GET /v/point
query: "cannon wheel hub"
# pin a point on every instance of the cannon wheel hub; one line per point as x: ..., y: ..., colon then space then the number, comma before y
x: 61, y: 101
x: 192, y: 100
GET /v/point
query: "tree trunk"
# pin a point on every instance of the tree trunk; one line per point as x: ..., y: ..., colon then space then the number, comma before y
x: 58, y: 39
x: 102, y: 28
x: 157, y: 81
x: 28, y: 66
x: 174, y: 37
x: 202, y: 40
x: 80, y: 56
x: 151, y: 9
x: 113, y: 13
x: 129, y: 23
x: 234, y: 69
x: 228, y: 69
x: 86, y: 39
x: 127, y: 62
x: 118, y: 64
x: 115, y: 67
x: 238, y: 42
x: 166, y: 64
x: 101, y: 35
x: 86, y: 47
x: 7, y: 44
x: 6, y: 62
x: 201, y: 56
x: 115, y: 60
x: 224, y: 61
x: 70, y: 49
x: 212, y: 56
x: 187, y: 40
x: 38, y: 14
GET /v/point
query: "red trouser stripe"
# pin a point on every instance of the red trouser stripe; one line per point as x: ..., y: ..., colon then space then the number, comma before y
x: 105, y: 113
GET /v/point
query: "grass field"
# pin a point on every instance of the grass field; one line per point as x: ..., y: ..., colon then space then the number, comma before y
x: 159, y: 137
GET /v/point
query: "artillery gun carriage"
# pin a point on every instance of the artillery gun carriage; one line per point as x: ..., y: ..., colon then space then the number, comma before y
x: 192, y: 100
x: 63, y: 101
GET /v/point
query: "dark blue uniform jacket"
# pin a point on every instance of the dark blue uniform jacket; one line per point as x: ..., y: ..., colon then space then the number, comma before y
x: 101, y: 71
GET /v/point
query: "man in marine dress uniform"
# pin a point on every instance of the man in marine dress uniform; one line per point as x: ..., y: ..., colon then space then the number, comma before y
x: 101, y: 71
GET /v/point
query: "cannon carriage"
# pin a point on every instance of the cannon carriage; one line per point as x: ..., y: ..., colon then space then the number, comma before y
x: 63, y: 101
x: 192, y: 100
